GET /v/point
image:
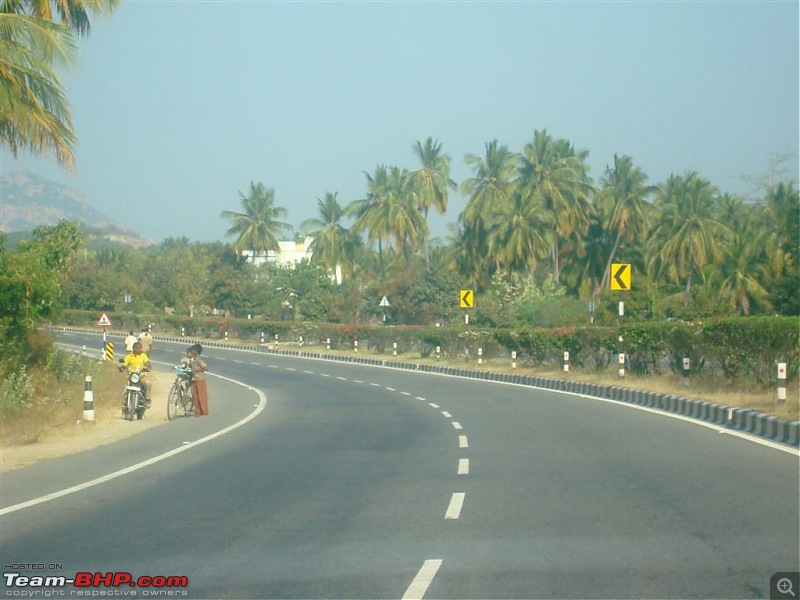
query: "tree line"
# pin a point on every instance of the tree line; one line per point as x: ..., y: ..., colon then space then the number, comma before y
x: 536, y: 218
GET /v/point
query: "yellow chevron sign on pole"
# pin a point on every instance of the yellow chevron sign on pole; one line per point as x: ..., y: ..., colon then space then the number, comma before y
x: 620, y: 276
x: 466, y: 299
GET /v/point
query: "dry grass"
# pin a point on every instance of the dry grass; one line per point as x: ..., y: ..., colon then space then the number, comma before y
x: 57, y: 408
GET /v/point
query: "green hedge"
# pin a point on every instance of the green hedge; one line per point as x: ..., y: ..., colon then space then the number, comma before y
x: 743, y: 349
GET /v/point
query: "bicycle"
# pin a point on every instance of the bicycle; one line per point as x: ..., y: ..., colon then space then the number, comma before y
x: 179, y: 401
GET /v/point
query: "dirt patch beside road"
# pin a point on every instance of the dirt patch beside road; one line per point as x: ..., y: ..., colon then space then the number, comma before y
x: 108, y: 427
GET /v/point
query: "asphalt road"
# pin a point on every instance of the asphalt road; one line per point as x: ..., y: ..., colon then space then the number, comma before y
x: 350, y: 481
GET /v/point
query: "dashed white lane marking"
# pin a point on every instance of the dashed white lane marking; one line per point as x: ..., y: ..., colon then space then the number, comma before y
x: 238, y: 361
x: 405, y: 393
x: 273, y: 366
x: 290, y: 368
x: 446, y: 414
x: 462, y: 441
x: 391, y: 389
x: 431, y: 404
x: 457, y: 425
x: 357, y: 381
x: 308, y: 372
x: 463, y: 466
x: 375, y: 384
x: 219, y: 358
x: 256, y: 364
x: 421, y: 583
x: 324, y: 375
x: 456, y: 504
x: 342, y: 378
x: 420, y: 398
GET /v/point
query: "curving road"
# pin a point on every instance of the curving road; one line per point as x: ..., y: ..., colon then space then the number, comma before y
x: 350, y: 481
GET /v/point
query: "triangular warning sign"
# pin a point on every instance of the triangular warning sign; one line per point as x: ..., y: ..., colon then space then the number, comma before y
x: 104, y: 321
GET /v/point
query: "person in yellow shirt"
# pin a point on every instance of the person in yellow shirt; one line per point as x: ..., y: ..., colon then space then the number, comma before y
x: 137, y: 362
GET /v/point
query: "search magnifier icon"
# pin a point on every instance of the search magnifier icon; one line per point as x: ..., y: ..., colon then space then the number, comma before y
x: 784, y: 586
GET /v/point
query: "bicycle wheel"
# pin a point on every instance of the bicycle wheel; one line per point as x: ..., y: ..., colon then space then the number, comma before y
x: 174, y: 401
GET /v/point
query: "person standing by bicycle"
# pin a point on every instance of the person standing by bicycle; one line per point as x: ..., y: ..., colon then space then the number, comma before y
x: 199, y: 389
x: 138, y: 362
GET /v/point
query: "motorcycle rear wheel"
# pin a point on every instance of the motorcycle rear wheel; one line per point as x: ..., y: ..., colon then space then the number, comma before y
x: 129, y: 407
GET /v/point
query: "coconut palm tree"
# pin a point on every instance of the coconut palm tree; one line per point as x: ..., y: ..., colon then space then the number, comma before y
x: 432, y: 181
x: 687, y: 236
x: 522, y: 233
x: 739, y: 274
x: 408, y: 226
x: 371, y: 213
x: 258, y: 227
x: 330, y: 245
x: 72, y: 14
x: 625, y: 194
x: 488, y: 189
x: 554, y: 172
x: 34, y: 111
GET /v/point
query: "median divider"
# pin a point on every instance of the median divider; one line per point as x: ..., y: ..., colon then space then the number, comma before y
x: 742, y: 419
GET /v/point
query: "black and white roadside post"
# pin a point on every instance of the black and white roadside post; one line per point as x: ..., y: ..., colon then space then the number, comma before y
x: 262, y: 336
x: 620, y: 280
x: 183, y: 333
x: 781, y: 382
x: 226, y: 336
x: 621, y: 341
x: 355, y: 346
x: 480, y: 356
x: 301, y: 341
x: 394, y: 348
x: 384, y: 304
x: 687, y: 367
x: 592, y: 309
x: 566, y: 362
x: 513, y: 359
x: 328, y: 343
x: 88, y: 400
x: 438, y: 352
x: 276, y: 342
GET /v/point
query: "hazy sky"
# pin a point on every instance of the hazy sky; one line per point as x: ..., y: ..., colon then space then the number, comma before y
x: 179, y: 106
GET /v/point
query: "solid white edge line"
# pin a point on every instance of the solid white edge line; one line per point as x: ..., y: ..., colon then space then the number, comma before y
x: 463, y: 466
x: 456, y: 504
x: 423, y: 580
x: 76, y: 488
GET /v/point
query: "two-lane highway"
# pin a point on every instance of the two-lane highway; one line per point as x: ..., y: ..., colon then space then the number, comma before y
x: 365, y: 482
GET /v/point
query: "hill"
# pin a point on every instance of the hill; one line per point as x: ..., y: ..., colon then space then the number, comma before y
x: 28, y: 200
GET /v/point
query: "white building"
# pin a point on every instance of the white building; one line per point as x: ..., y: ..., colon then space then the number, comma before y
x: 290, y: 253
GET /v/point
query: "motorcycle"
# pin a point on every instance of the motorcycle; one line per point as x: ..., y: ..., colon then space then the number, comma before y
x: 133, y: 400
